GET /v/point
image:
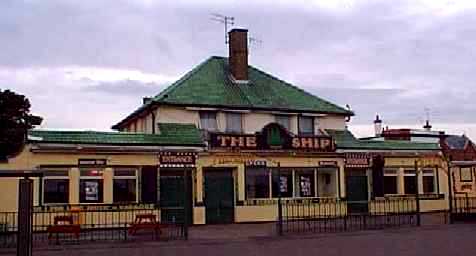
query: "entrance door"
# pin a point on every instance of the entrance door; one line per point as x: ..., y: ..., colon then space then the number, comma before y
x: 173, y: 200
x: 219, y: 196
x: 357, y: 194
x: 149, y: 184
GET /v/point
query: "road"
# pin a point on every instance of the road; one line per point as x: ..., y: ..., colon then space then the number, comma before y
x: 433, y: 241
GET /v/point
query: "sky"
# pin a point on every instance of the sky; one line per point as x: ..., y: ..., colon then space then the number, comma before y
x: 87, y: 64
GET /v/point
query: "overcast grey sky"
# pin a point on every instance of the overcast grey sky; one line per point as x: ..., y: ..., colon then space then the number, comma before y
x: 87, y: 64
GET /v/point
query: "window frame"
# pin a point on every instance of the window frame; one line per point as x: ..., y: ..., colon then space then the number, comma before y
x: 45, y: 178
x: 391, y: 173
x: 268, y: 175
x: 470, y: 173
x: 227, y: 122
x: 410, y: 173
x: 298, y: 173
x: 313, y: 131
x: 126, y: 177
x: 92, y: 177
x: 289, y: 175
x: 426, y: 173
x: 203, y: 112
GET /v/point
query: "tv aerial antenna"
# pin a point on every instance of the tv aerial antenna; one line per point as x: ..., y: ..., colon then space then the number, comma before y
x: 225, y: 20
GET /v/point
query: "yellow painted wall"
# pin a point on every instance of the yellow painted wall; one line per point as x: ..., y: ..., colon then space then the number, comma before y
x: 8, y: 195
x: 199, y: 215
x: 466, y: 187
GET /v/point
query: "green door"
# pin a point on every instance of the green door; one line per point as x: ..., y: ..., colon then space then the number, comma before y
x: 357, y: 194
x: 172, y: 198
x: 219, y: 197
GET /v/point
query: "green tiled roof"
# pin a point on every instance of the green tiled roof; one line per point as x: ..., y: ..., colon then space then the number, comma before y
x: 170, y: 134
x: 209, y: 84
x: 345, y: 140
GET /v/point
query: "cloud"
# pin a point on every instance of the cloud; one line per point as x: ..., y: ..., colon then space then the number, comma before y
x: 391, y: 57
x: 129, y: 88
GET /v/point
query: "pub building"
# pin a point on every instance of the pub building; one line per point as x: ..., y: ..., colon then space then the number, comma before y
x: 241, y: 137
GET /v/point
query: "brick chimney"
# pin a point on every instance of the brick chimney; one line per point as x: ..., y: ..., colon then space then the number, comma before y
x: 238, y: 54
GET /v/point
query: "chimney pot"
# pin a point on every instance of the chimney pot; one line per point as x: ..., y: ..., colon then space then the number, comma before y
x: 238, y: 54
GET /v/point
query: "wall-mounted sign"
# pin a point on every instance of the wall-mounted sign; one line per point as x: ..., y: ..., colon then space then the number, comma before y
x: 357, y: 160
x: 273, y: 136
x: 328, y: 163
x: 255, y: 163
x: 92, y: 162
x: 177, y: 159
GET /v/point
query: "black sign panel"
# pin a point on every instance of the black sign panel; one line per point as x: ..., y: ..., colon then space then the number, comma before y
x: 177, y: 159
x: 273, y: 136
x: 92, y: 162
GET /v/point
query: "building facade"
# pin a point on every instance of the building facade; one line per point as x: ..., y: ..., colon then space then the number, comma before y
x: 235, y: 138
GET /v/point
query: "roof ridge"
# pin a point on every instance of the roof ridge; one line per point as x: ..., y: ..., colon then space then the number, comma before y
x: 297, y: 88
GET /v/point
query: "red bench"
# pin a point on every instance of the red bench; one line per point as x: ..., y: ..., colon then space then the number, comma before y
x: 64, y: 225
x: 145, y: 221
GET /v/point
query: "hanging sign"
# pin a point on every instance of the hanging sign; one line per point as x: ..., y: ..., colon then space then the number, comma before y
x: 356, y: 160
x: 177, y: 159
x: 272, y: 137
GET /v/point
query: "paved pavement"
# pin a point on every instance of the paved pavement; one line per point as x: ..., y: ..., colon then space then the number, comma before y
x: 438, y: 240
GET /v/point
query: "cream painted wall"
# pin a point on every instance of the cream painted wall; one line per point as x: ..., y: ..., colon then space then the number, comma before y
x: 331, y: 122
x: 252, y: 121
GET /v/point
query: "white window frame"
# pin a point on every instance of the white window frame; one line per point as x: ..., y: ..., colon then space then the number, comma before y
x: 313, y: 131
x: 135, y: 177
x: 227, y: 128
x: 201, y: 123
x: 54, y: 177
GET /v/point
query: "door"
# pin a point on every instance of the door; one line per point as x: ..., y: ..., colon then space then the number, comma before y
x: 172, y: 196
x: 219, y: 196
x: 149, y: 184
x: 357, y: 194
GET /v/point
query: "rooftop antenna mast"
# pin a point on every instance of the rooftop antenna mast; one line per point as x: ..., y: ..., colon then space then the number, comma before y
x: 427, y: 113
x: 254, y: 41
x: 226, y: 20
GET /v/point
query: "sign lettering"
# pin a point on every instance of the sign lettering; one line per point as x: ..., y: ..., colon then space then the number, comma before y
x: 177, y: 158
x: 274, y: 137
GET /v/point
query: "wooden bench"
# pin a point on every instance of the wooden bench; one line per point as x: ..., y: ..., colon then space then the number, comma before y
x: 63, y: 225
x: 145, y: 221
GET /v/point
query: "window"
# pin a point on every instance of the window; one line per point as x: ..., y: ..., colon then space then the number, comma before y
x: 257, y: 183
x: 410, y: 182
x: 233, y: 122
x: 428, y: 181
x: 55, y: 187
x: 306, y: 125
x: 91, y: 186
x: 284, y: 120
x: 465, y: 174
x: 125, y: 186
x: 283, y: 183
x: 305, y: 183
x: 208, y: 120
x: 390, y: 182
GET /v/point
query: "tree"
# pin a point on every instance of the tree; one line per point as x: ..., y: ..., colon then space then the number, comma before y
x: 15, y: 120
